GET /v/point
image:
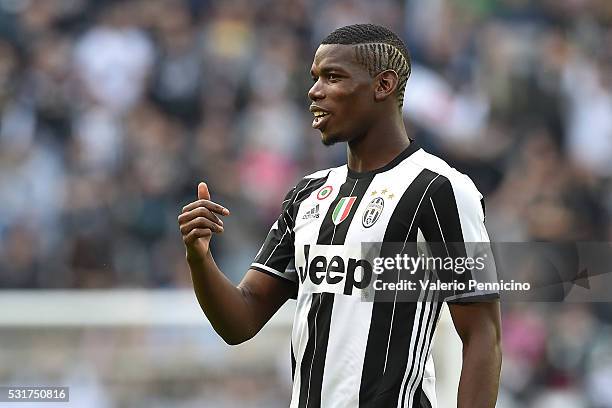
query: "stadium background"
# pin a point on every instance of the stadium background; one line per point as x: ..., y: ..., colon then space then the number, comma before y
x: 111, y: 112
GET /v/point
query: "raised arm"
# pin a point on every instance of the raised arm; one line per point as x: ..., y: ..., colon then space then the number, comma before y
x: 236, y: 313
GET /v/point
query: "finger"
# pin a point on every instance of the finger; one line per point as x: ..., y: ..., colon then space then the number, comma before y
x: 203, y: 193
x: 200, y: 222
x: 195, y: 234
x: 214, y: 207
x: 199, y: 212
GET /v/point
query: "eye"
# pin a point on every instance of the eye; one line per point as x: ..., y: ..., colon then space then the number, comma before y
x: 333, y: 77
x: 314, y: 79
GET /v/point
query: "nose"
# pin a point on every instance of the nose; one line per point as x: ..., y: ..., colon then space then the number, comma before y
x: 316, y: 92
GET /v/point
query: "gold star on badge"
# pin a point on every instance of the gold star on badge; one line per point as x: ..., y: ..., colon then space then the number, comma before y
x: 384, y: 191
x: 391, y: 196
x: 374, y: 193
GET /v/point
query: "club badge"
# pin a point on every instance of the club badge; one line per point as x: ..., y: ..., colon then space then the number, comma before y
x: 372, y: 212
x: 324, y: 192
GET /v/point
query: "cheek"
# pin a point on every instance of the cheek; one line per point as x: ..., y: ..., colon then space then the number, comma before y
x: 360, y: 109
x: 354, y: 105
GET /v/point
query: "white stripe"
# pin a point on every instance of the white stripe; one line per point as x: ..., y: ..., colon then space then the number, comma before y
x: 398, y: 273
x: 415, y: 325
x: 425, y: 348
x: 304, y: 188
x: 278, y: 243
x: 272, y: 270
x: 344, y: 359
x: 417, y: 342
x: 417, y: 209
x: 439, y: 226
x: 299, y: 338
x: 471, y: 294
x: 290, y: 217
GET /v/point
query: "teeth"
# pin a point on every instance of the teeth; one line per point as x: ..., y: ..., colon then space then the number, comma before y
x: 320, y: 114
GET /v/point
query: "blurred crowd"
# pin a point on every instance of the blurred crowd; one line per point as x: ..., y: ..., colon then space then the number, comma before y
x: 112, y: 111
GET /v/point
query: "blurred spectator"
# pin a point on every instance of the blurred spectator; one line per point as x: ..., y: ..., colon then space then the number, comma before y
x: 113, y: 58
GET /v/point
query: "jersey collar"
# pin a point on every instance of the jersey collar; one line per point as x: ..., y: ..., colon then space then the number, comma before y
x: 413, y: 147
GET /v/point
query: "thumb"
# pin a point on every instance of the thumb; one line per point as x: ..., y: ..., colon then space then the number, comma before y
x: 203, y: 193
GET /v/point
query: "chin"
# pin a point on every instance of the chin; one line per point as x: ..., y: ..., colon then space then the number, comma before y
x: 330, y: 140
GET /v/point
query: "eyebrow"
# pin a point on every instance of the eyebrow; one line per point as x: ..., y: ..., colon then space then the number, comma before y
x: 330, y: 68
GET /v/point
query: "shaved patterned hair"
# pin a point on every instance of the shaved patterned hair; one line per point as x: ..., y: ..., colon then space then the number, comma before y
x: 378, y: 49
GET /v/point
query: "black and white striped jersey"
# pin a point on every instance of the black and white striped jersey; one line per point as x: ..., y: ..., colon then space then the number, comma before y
x: 348, y: 351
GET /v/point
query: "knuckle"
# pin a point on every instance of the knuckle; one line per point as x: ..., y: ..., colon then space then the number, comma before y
x: 202, y: 222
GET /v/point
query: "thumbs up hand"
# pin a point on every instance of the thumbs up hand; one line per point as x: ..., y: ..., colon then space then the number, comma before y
x: 198, y: 221
x: 203, y: 193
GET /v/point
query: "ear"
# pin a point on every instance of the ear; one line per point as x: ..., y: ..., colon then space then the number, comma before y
x: 386, y: 84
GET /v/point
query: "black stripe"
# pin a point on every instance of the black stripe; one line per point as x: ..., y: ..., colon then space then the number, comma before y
x: 484, y: 208
x: 292, y: 362
x: 380, y: 386
x: 420, y: 399
x: 313, y: 360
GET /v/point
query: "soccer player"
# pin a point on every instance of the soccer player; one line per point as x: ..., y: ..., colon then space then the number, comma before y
x: 348, y: 351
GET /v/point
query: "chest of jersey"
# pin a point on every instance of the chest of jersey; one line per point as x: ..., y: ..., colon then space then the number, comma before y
x: 352, y: 210
x: 339, y: 228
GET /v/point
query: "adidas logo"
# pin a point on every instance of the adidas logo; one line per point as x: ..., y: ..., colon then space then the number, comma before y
x: 312, y: 213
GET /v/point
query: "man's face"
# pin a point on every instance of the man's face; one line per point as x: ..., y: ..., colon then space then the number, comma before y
x: 342, y: 94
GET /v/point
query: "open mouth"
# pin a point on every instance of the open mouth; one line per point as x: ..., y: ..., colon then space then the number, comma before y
x: 320, y: 118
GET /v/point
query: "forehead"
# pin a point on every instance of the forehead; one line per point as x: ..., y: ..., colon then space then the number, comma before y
x: 335, y: 55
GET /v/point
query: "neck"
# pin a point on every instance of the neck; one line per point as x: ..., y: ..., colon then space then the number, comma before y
x: 381, y: 144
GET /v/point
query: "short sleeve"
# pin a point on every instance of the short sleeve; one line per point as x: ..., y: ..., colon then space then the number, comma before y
x: 452, y: 223
x: 276, y: 255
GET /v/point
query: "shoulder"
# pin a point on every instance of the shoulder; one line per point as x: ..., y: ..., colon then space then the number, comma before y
x: 462, y: 185
x: 316, y: 178
x: 309, y: 183
x: 323, y: 173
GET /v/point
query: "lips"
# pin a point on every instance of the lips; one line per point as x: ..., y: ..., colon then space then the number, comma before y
x: 321, y: 116
x: 319, y: 121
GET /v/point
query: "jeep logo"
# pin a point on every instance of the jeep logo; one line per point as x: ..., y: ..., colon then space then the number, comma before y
x: 336, y: 270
